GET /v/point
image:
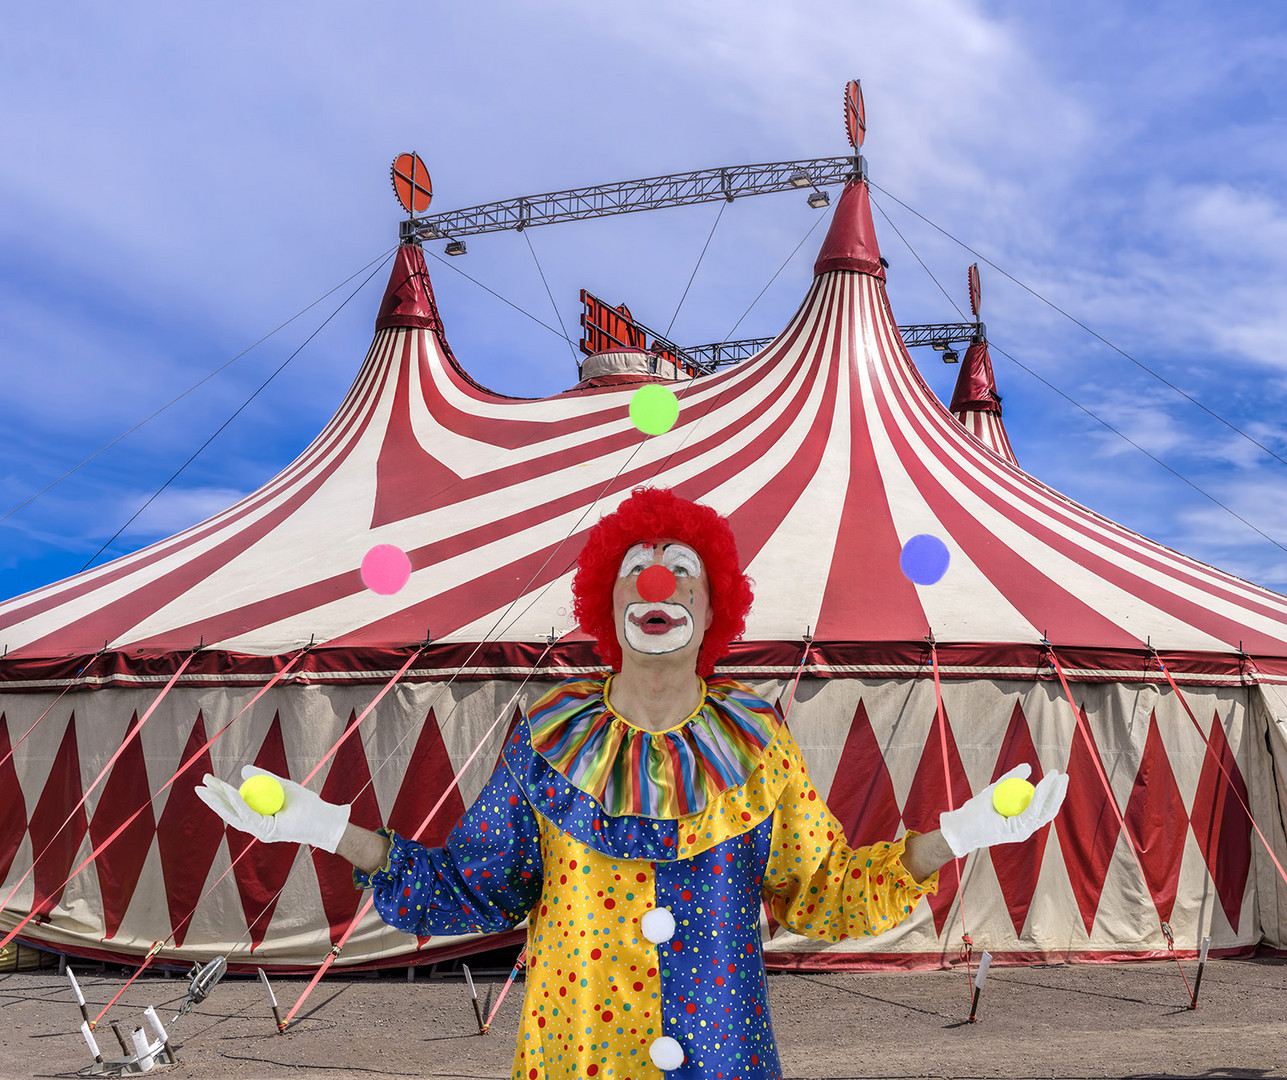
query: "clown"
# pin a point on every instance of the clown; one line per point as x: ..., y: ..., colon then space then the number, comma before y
x: 639, y: 819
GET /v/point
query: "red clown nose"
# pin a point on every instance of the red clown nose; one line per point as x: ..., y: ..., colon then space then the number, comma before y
x: 655, y: 583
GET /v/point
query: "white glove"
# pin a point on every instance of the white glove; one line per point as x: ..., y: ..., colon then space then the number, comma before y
x: 303, y: 819
x: 978, y: 824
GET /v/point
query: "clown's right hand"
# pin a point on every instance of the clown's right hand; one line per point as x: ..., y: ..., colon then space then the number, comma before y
x: 303, y: 819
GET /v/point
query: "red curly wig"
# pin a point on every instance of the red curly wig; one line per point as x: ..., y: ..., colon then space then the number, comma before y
x: 654, y: 514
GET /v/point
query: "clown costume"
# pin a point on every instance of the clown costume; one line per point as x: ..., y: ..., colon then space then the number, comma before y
x: 638, y: 820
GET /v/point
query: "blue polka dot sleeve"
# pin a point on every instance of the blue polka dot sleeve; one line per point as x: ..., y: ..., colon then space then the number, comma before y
x: 484, y: 879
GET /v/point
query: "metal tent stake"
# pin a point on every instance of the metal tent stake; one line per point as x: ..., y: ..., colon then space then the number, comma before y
x: 80, y: 998
x: 148, y: 1047
x: 91, y: 1041
x: 985, y: 961
x: 473, y: 997
x: 272, y: 1001
x: 142, y: 1051
x: 154, y: 1022
x: 1170, y: 947
x: 1202, y: 963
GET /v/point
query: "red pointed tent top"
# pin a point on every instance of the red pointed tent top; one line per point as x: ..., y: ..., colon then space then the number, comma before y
x: 851, y: 240
x: 408, y: 300
x: 976, y: 387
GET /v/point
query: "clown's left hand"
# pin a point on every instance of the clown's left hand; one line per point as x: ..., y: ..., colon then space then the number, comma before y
x: 978, y: 824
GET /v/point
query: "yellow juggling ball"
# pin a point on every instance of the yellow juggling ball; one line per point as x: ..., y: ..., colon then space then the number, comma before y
x: 1012, y: 796
x: 263, y: 794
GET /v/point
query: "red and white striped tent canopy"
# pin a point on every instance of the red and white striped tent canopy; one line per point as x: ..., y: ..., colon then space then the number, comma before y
x: 828, y: 453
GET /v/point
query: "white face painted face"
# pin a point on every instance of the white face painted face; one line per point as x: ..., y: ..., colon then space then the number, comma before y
x: 660, y: 626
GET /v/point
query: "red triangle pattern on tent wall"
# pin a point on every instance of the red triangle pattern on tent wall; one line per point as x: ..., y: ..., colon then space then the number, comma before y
x: 125, y: 803
x: 1153, y: 814
x: 349, y: 781
x: 13, y: 808
x: 927, y: 799
x: 1087, y: 827
x: 1221, y: 824
x: 509, y: 733
x: 862, y: 794
x: 427, y: 776
x: 56, y: 831
x: 188, y: 836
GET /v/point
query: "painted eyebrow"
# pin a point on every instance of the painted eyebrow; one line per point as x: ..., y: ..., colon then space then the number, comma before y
x: 687, y: 551
x: 627, y: 558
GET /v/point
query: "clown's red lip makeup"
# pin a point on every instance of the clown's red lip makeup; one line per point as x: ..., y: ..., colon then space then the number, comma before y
x: 657, y: 628
x: 655, y: 621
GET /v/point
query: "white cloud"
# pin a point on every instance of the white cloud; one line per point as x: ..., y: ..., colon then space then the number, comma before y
x: 89, y: 515
x: 1217, y: 536
x: 176, y: 509
x: 1230, y: 223
x: 1141, y: 418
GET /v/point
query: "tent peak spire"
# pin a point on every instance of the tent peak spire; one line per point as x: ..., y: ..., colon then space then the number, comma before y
x: 408, y: 299
x: 976, y: 403
x: 976, y: 386
x: 851, y: 239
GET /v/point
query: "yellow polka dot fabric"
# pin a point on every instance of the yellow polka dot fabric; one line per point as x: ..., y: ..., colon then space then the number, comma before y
x: 593, y: 998
x: 740, y: 809
x: 815, y: 884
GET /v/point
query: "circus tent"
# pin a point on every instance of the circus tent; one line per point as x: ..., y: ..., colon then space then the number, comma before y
x: 1055, y: 637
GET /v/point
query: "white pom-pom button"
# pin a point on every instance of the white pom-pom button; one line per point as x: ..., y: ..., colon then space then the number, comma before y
x: 658, y: 925
x: 666, y: 1053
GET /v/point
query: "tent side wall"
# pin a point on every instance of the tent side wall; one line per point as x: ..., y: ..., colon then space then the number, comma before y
x: 1270, y: 800
x: 1076, y: 893
x: 874, y: 750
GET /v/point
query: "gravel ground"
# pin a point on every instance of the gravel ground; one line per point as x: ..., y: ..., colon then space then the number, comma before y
x: 1113, y: 1020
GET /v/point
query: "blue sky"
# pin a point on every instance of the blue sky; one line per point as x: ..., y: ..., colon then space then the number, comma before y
x: 178, y: 180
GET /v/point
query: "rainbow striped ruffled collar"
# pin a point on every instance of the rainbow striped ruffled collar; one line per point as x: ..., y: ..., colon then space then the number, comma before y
x: 653, y: 774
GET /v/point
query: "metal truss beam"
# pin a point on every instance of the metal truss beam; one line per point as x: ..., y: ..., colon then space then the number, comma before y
x: 679, y: 189
x: 705, y: 359
x: 722, y: 353
x: 943, y: 334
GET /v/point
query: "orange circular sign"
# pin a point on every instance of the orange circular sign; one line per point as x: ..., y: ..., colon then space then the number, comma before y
x: 855, y: 114
x: 411, y: 183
